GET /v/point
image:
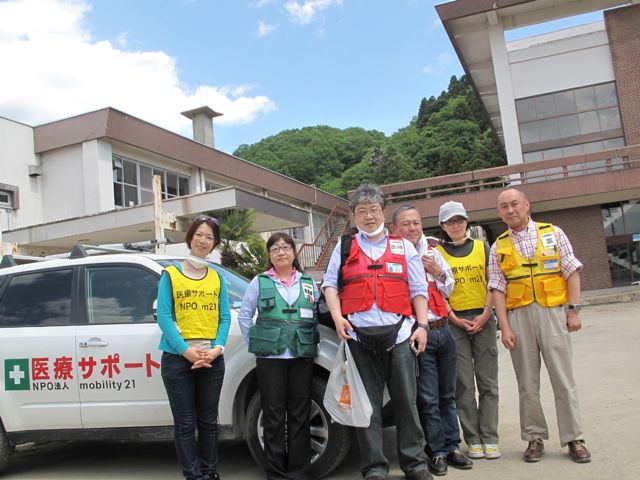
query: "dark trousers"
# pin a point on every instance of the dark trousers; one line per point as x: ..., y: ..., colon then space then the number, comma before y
x: 436, y: 393
x: 285, y: 391
x: 194, y: 396
x: 397, y: 369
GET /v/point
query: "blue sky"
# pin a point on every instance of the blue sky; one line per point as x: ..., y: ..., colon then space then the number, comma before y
x: 268, y: 65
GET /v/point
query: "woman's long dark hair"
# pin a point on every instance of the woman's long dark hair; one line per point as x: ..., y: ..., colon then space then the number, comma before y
x: 288, y: 240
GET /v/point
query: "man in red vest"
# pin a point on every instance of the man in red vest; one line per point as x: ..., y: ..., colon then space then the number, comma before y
x: 381, y: 278
x: 437, y: 381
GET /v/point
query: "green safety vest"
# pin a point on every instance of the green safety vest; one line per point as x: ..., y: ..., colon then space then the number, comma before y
x: 280, y: 325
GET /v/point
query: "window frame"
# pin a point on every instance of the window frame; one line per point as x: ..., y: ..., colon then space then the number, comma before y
x: 83, y: 290
x: 12, y: 193
x: 578, y: 111
x: 140, y: 189
x: 73, y: 305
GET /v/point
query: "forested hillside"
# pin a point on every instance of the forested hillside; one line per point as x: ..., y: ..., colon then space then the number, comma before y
x: 449, y: 134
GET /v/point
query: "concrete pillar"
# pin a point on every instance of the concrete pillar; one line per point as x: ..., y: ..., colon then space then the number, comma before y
x: 202, y: 119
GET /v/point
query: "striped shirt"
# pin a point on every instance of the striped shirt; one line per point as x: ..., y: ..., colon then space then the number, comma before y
x: 526, y: 242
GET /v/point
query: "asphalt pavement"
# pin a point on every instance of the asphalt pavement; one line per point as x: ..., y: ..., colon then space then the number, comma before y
x: 606, y: 360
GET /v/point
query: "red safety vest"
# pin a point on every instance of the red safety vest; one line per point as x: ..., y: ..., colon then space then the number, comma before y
x: 383, y: 281
x: 437, y: 303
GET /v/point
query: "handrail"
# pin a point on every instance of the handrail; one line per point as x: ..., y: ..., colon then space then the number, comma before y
x: 527, y: 173
x: 309, y: 253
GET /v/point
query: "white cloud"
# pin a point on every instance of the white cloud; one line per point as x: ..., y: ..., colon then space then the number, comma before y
x: 428, y: 69
x: 444, y: 58
x: 52, y: 69
x: 265, y: 29
x: 307, y: 11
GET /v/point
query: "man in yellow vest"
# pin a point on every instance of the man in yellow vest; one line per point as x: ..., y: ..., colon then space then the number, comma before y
x: 535, y: 280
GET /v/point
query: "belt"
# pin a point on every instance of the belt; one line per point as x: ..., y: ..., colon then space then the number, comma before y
x: 438, y: 323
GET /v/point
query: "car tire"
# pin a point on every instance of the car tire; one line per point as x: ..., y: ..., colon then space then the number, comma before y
x: 330, y: 441
x: 6, y: 449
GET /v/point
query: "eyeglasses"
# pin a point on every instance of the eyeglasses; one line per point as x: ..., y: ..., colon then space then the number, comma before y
x: 455, y: 221
x: 281, y: 248
x: 363, y: 212
x: 207, y: 218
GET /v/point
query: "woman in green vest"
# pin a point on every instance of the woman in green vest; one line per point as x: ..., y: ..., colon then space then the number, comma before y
x: 284, y: 339
x: 475, y: 330
x: 193, y: 314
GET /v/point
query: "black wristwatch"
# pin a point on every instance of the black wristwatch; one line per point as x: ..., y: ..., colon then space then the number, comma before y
x: 574, y: 306
x: 426, y: 326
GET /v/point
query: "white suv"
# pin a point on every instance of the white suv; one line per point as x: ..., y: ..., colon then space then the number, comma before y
x: 80, y: 360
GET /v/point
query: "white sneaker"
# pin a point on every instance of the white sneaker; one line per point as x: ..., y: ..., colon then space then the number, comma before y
x: 491, y: 450
x: 475, y: 451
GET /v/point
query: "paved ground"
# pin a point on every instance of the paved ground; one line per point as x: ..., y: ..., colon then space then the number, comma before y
x: 606, y: 359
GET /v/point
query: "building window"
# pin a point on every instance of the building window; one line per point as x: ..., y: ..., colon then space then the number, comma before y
x: 208, y: 186
x: 6, y: 199
x: 8, y: 196
x: 559, y: 121
x: 133, y: 182
x: 621, y: 223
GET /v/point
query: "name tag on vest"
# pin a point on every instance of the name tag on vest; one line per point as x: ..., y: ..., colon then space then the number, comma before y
x: 306, y: 313
x: 394, y: 267
x: 551, y: 264
x: 396, y: 247
x: 548, y: 240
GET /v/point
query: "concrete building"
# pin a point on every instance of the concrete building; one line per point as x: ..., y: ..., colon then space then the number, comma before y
x: 88, y: 179
x: 565, y: 105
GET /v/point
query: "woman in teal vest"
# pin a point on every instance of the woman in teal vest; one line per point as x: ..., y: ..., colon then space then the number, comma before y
x: 193, y: 314
x: 284, y: 339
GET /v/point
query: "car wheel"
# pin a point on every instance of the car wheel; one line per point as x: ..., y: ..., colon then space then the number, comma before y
x: 6, y: 449
x: 330, y: 441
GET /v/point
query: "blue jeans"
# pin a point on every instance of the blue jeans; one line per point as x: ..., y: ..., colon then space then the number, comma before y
x: 194, y: 396
x: 436, y: 393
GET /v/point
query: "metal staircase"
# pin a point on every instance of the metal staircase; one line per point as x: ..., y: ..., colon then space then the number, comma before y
x: 314, y: 257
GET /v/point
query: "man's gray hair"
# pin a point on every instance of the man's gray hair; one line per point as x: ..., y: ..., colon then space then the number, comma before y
x: 367, y: 193
x: 399, y: 210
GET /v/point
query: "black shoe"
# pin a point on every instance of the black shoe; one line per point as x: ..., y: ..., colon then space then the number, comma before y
x: 420, y: 475
x: 457, y: 460
x: 437, y: 465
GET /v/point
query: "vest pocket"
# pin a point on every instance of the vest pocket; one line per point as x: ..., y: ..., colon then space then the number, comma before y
x: 555, y: 290
x: 305, y: 342
x: 355, y: 296
x: 263, y: 340
x: 395, y: 288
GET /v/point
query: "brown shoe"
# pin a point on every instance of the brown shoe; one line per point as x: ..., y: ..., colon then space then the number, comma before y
x: 535, y: 451
x: 579, y: 452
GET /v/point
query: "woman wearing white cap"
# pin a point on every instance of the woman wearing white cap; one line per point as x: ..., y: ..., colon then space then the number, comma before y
x: 475, y: 331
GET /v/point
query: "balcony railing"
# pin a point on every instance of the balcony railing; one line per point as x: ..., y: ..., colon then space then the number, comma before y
x: 309, y: 253
x: 521, y: 174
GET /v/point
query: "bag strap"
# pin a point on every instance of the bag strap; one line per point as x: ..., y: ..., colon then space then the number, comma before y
x: 345, y: 249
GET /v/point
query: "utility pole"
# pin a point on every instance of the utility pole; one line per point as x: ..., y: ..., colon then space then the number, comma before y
x: 162, y: 220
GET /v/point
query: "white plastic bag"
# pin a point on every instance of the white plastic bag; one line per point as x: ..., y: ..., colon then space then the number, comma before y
x: 345, y: 398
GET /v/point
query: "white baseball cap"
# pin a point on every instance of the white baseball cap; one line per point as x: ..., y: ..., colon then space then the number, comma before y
x: 451, y: 209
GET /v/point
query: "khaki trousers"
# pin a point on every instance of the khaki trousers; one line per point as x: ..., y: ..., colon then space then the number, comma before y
x: 541, y: 330
x: 477, y: 364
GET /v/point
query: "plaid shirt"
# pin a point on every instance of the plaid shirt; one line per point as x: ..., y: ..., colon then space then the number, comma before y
x: 526, y: 242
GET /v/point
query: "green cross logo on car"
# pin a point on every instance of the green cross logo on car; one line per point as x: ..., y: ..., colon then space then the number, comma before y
x: 16, y: 374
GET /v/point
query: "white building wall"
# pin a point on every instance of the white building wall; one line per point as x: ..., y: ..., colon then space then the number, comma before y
x: 63, y: 183
x: 560, y: 64
x: 97, y: 175
x: 16, y: 154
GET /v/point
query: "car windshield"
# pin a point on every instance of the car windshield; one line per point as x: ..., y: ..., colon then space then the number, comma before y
x: 236, y: 285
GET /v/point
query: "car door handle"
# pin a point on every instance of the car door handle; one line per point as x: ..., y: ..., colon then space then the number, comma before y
x: 93, y: 342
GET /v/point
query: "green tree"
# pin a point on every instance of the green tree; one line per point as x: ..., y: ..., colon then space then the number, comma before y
x: 241, y: 249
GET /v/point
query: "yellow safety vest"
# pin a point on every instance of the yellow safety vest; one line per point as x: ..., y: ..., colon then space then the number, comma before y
x: 195, y: 303
x: 470, y: 274
x: 538, y: 279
